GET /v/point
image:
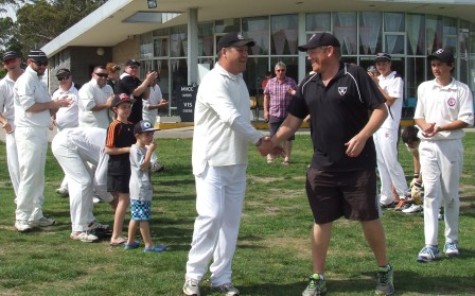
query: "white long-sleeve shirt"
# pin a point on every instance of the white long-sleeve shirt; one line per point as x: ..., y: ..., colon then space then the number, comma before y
x: 222, y: 106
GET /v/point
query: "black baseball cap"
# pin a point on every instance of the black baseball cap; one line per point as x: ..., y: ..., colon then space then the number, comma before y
x: 38, y: 55
x: 122, y: 98
x: 320, y: 39
x: 382, y: 56
x: 10, y: 55
x: 144, y: 126
x: 443, y: 55
x: 132, y: 62
x: 63, y: 72
x: 234, y: 39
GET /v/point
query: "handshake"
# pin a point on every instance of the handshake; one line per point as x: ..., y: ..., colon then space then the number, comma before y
x: 265, y: 146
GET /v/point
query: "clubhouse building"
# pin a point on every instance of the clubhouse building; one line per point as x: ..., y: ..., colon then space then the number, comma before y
x: 178, y: 37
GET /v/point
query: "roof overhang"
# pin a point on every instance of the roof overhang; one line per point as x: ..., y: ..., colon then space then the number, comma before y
x: 111, y: 23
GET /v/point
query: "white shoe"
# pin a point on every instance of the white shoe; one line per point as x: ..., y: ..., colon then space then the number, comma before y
x: 96, y: 199
x: 42, y: 222
x: 191, y: 287
x: 83, y: 236
x: 22, y: 226
x: 227, y: 289
x: 63, y: 192
x: 413, y: 209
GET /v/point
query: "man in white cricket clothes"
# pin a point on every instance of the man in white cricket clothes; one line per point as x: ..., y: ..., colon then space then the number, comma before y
x: 66, y: 117
x: 11, y: 62
x: 386, y: 137
x: 220, y: 144
x: 95, y: 98
x: 33, y: 110
x: 75, y: 149
x: 444, y: 107
x: 152, y: 101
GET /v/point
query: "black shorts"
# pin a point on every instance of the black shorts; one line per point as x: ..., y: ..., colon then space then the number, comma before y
x: 274, y: 126
x: 118, y: 183
x: 348, y: 194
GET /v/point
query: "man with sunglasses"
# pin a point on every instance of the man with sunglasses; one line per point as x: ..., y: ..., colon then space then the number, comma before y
x: 95, y: 99
x: 33, y: 110
x: 277, y: 96
x: 65, y: 117
x: 11, y: 62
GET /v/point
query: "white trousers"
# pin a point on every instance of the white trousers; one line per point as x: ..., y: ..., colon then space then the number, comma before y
x: 441, y: 164
x: 32, y: 143
x: 389, y: 168
x: 80, y: 181
x: 12, y: 161
x: 219, y: 201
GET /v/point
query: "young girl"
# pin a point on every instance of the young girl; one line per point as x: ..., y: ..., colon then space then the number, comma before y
x: 120, y: 137
x: 141, y: 187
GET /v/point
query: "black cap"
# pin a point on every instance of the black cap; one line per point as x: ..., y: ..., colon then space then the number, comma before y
x: 132, y: 62
x: 443, y: 55
x: 382, y: 56
x: 37, y: 55
x: 143, y: 127
x: 63, y: 72
x: 122, y: 98
x: 320, y: 39
x: 234, y: 39
x: 10, y: 55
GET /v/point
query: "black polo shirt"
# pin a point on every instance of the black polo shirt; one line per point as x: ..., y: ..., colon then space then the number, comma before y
x: 127, y: 85
x: 337, y: 113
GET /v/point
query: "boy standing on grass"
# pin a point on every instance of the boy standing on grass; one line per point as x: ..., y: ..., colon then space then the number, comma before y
x: 444, y: 107
x: 140, y: 185
x: 120, y: 136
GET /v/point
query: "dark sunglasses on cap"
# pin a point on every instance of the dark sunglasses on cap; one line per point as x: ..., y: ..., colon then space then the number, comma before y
x: 61, y: 78
x: 103, y: 75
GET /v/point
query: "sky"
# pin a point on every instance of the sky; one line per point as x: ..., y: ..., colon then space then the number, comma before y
x: 10, y: 12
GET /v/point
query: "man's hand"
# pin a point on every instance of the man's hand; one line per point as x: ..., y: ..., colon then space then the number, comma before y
x: 267, y: 147
x: 355, y: 146
x: 430, y: 130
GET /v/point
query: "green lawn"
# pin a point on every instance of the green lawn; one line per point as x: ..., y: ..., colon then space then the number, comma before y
x: 273, y: 255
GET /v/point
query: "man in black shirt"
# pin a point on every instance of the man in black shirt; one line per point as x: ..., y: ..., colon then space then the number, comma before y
x: 345, y: 108
x: 132, y: 85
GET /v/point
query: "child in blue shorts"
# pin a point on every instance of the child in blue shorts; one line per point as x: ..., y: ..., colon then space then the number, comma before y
x: 140, y: 187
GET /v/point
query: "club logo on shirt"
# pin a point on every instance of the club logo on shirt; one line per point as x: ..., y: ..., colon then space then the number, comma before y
x: 451, y: 102
x: 342, y: 90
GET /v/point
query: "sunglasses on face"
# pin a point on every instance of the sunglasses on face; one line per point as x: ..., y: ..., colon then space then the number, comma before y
x: 102, y: 75
x: 9, y: 61
x: 61, y: 78
x: 38, y: 63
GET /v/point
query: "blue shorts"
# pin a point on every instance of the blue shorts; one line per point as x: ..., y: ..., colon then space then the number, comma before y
x: 140, y: 209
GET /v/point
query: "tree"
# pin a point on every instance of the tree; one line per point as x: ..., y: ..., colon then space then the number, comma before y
x: 40, y: 21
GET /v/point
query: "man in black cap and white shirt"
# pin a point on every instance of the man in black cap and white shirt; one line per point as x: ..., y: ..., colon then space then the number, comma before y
x: 444, y: 107
x: 220, y: 144
x: 33, y: 111
x: 66, y: 117
x: 386, y: 137
x: 133, y: 86
x: 345, y: 108
x: 11, y: 62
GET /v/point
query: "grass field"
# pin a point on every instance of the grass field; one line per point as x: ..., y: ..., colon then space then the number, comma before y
x: 273, y: 255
